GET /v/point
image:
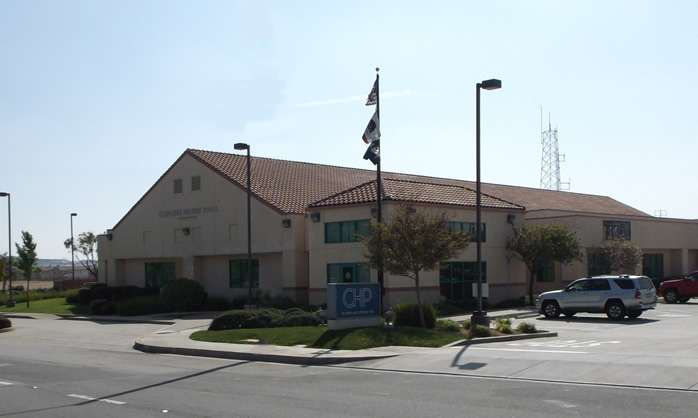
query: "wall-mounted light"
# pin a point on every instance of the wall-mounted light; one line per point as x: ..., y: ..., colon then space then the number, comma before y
x: 374, y: 212
x: 186, y: 231
x: 286, y: 223
x: 511, y: 219
x: 315, y: 216
x: 110, y: 237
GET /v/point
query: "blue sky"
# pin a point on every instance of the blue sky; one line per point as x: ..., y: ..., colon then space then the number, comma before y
x: 98, y: 99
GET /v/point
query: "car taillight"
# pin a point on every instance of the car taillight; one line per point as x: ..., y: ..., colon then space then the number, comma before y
x: 638, y: 295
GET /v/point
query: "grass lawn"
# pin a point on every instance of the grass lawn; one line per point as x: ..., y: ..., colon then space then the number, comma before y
x: 321, y: 337
x: 52, y: 306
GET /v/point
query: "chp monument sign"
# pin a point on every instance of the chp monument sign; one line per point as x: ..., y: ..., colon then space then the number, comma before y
x: 353, y: 305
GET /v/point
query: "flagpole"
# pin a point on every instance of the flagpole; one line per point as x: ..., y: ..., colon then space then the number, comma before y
x: 379, y: 187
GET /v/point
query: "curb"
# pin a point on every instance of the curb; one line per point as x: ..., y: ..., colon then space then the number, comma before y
x: 268, y: 358
x: 502, y: 338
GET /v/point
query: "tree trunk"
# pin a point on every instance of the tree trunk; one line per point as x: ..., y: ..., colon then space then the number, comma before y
x: 530, y: 288
x: 422, y: 322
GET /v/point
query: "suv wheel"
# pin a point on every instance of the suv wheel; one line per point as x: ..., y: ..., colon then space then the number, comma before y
x: 671, y: 296
x: 615, y: 310
x: 551, y: 309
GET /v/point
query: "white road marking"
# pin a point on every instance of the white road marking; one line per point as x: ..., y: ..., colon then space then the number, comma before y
x: 561, y: 403
x: 5, y: 383
x: 528, y: 350
x: 564, y: 344
x: 96, y: 399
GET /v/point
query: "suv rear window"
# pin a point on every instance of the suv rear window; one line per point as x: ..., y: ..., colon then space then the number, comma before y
x: 625, y: 283
x: 645, y: 283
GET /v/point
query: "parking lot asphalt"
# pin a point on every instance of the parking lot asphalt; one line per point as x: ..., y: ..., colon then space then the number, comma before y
x: 655, y: 351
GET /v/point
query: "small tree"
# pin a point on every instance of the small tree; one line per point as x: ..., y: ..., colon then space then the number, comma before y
x: 27, y: 258
x: 622, y: 254
x: 540, y: 244
x: 411, y: 241
x: 87, y: 247
x: 3, y: 271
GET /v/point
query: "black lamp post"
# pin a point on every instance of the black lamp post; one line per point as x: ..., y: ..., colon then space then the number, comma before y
x: 241, y: 146
x: 72, y: 244
x: 10, y: 303
x: 480, y: 317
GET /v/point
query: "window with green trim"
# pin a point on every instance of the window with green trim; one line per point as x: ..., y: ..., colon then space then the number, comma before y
x: 456, y: 279
x: 157, y: 274
x: 653, y: 265
x: 546, y: 274
x: 597, y: 265
x: 346, y: 231
x: 468, y: 227
x: 238, y: 274
x: 348, y: 273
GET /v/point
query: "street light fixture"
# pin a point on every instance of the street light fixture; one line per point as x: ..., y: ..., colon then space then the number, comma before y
x: 10, y: 303
x: 480, y: 317
x: 241, y: 146
x: 72, y: 244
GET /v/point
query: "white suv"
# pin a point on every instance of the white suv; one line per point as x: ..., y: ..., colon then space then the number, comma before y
x: 617, y: 296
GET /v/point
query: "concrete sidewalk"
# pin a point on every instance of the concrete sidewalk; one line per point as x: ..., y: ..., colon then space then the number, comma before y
x: 174, y: 339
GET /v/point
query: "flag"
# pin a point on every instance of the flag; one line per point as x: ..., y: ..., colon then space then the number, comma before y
x: 373, y: 95
x: 373, y: 130
x: 373, y: 152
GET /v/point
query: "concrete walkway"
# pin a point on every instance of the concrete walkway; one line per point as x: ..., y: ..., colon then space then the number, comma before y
x: 173, y: 338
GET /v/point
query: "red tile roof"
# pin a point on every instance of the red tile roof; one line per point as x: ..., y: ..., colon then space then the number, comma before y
x: 291, y: 187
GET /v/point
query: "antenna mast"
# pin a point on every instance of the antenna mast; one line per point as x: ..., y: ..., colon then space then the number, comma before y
x: 551, y: 158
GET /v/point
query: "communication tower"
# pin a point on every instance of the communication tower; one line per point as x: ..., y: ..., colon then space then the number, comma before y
x: 550, y: 162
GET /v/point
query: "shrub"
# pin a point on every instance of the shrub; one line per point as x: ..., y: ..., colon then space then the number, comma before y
x: 448, y: 325
x: 108, y: 308
x: 85, y: 295
x: 18, y: 289
x: 467, y: 324
x: 448, y: 309
x: 260, y: 318
x: 5, y: 322
x: 183, y: 295
x: 407, y: 315
x: 100, y: 292
x: 296, y: 317
x: 144, y: 291
x: 96, y: 305
x: 71, y: 296
x: 142, y: 305
x: 503, y: 325
x: 216, y: 303
x: 480, y: 331
x: 527, y: 328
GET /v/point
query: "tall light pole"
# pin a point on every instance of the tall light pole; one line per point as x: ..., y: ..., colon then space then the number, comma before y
x: 241, y: 146
x: 10, y: 303
x: 72, y: 244
x: 480, y: 317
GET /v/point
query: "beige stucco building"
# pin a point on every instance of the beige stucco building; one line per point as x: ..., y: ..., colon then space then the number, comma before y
x: 193, y: 223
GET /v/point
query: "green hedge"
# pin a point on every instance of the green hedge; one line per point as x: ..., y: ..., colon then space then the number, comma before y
x: 141, y: 305
x: 263, y: 318
x: 183, y: 295
x: 407, y: 315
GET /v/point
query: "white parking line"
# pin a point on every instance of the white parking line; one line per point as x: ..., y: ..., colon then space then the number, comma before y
x: 528, y: 351
x: 96, y: 399
x: 5, y: 383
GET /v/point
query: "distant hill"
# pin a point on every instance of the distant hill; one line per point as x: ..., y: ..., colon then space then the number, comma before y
x: 46, y: 262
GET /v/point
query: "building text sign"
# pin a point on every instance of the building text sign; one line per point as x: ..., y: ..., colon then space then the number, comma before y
x: 353, y: 300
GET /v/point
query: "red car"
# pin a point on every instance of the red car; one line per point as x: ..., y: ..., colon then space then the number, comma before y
x: 679, y: 290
